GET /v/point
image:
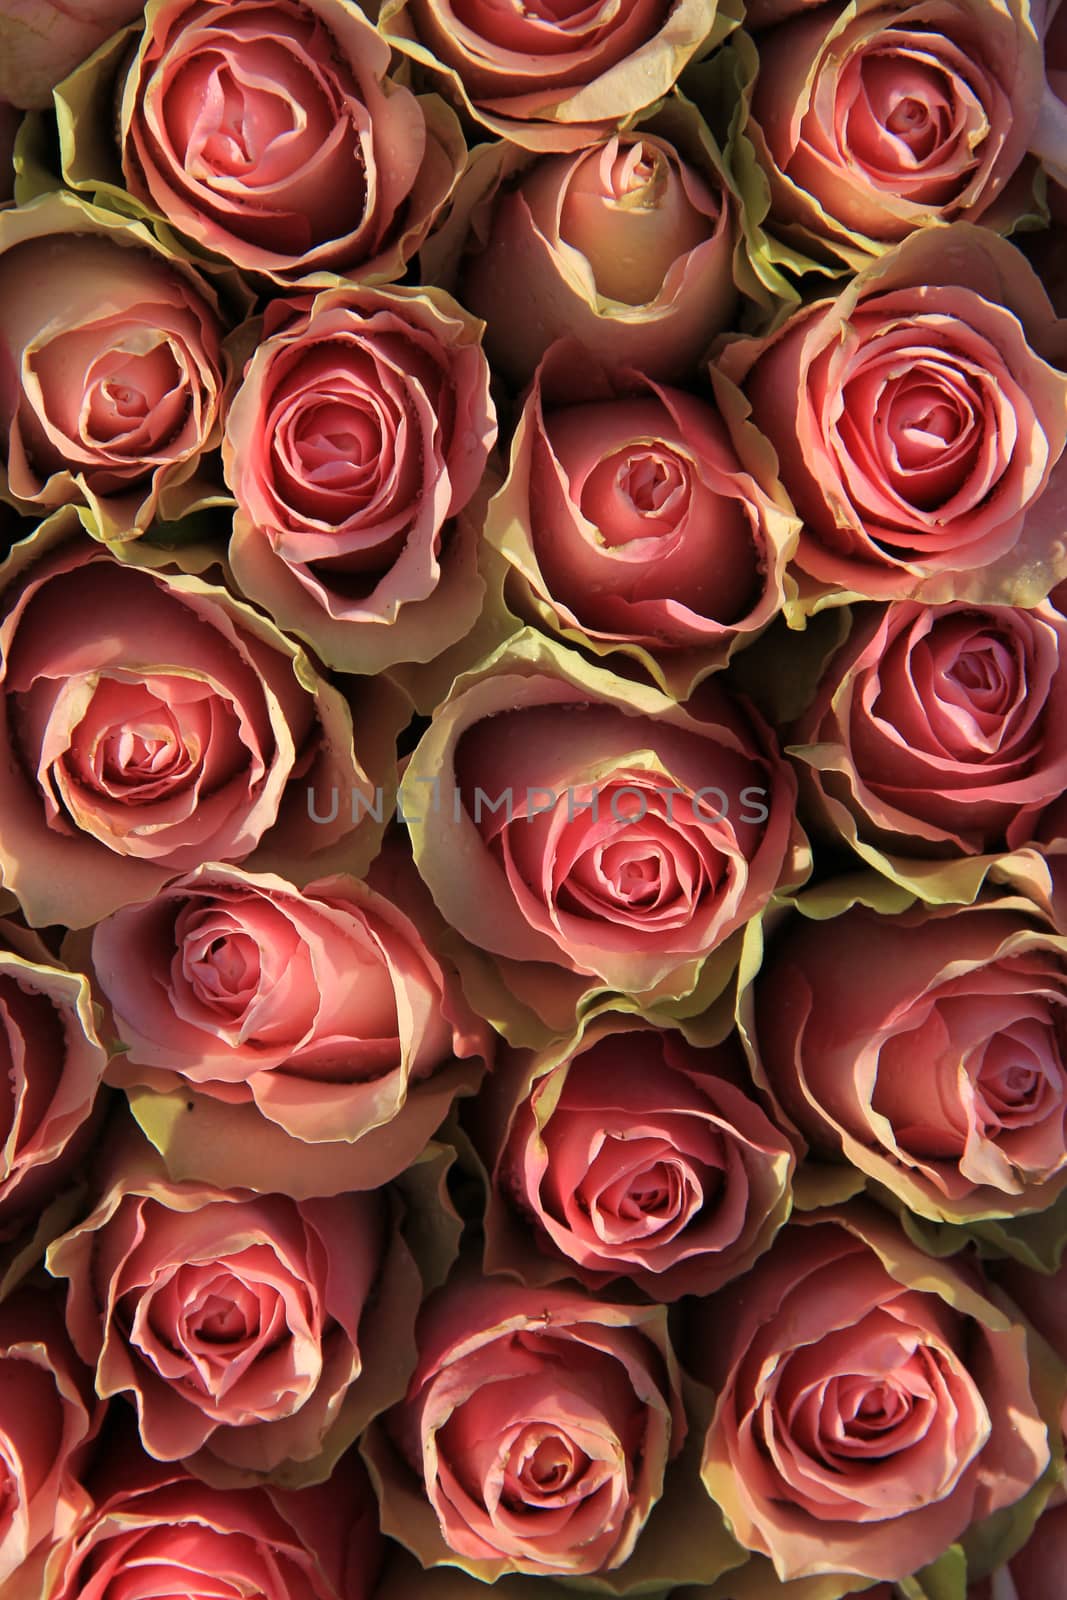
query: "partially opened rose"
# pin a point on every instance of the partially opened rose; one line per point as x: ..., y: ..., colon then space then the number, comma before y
x: 48, y: 1416
x: 633, y: 523
x: 540, y: 1422
x: 361, y: 429
x: 551, y: 76
x: 927, y: 1048
x: 882, y: 117
x: 270, y: 132
x: 630, y: 1153
x: 919, y: 431
x: 148, y: 720
x: 154, y: 1526
x: 596, y: 826
x: 41, y: 40
x: 113, y: 359
x: 937, y: 730
x: 874, y: 1405
x: 322, y: 1039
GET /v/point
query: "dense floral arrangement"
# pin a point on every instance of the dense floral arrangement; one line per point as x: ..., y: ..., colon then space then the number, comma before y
x: 533, y: 799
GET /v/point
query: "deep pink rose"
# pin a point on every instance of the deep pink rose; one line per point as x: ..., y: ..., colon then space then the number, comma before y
x: 541, y: 1423
x: 873, y: 1404
x: 361, y: 429
x: 110, y: 366
x: 917, y: 426
x: 270, y: 132
x: 147, y: 721
x: 631, y: 1153
x: 929, y: 1049
x: 939, y: 730
x: 630, y: 517
x: 42, y: 40
x: 322, y: 1014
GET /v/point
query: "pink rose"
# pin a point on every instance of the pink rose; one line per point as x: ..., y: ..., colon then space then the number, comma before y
x: 42, y: 40
x: 927, y: 1049
x: 625, y: 245
x: 152, y: 1521
x: 629, y: 517
x: 630, y: 1154
x: 551, y: 76
x: 270, y: 132
x: 148, y: 720
x: 917, y: 425
x: 363, y: 425
x: 873, y: 1403
x: 48, y: 1415
x: 596, y: 826
x: 876, y: 120
x: 112, y: 354
x: 540, y: 1423
x: 936, y: 731
x: 322, y: 1041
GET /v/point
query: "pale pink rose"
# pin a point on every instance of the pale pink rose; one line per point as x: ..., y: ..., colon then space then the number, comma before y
x: 939, y: 730
x: 151, y: 1520
x: 112, y: 356
x: 148, y: 720
x: 927, y: 1048
x: 631, y: 518
x: 541, y: 1423
x: 322, y: 1012
x: 919, y: 431
x: 888, y: 116
x: 42, y: 40
x: 48, y: 1416
x: 270, y: 132
x: 872, y: 1403
x: 361, y: 429
x: 630, y: 1154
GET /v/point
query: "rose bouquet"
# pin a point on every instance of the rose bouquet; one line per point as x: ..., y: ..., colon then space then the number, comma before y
x: 533, y: 837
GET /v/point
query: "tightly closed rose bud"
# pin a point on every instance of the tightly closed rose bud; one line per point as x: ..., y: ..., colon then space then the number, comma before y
x: 113, y: 355
x: 873, y: 1404
x: 42, y: 40
x: 630, y: 1153
x: 626, y: 245
x: 632, y: 521
x: 549, y: 76
x: 917, y: 426
x: 270, y: 132
x: 881, y: 118
x: 362, y: 427
x: 540, y: 1422
x: 147, y: 719
x: 322, y: 1040
x: 928, y: 1048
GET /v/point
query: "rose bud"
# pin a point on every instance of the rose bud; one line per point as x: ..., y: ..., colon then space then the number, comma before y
x: 251, y: 1331
x: 112, y: 349
x: 628, y: 518
x: 42, y: 40
x: 1049, y: 140
x: 873, y: 1403
x: 363, y: 425
x: 48, y: 1416
x: 595, y: 826
x: 886, y: 117
x: 630, y: 1153
x: 551, y: 77
x: 314, y: 1036
x: 147, y: 720
x: 270, y: 132
x: 540, y: 1423
x: 934, y: 732
x: 929, y: 1049
x: 154, y: 1526
x: 625, y: 245
x: 917, y: 429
